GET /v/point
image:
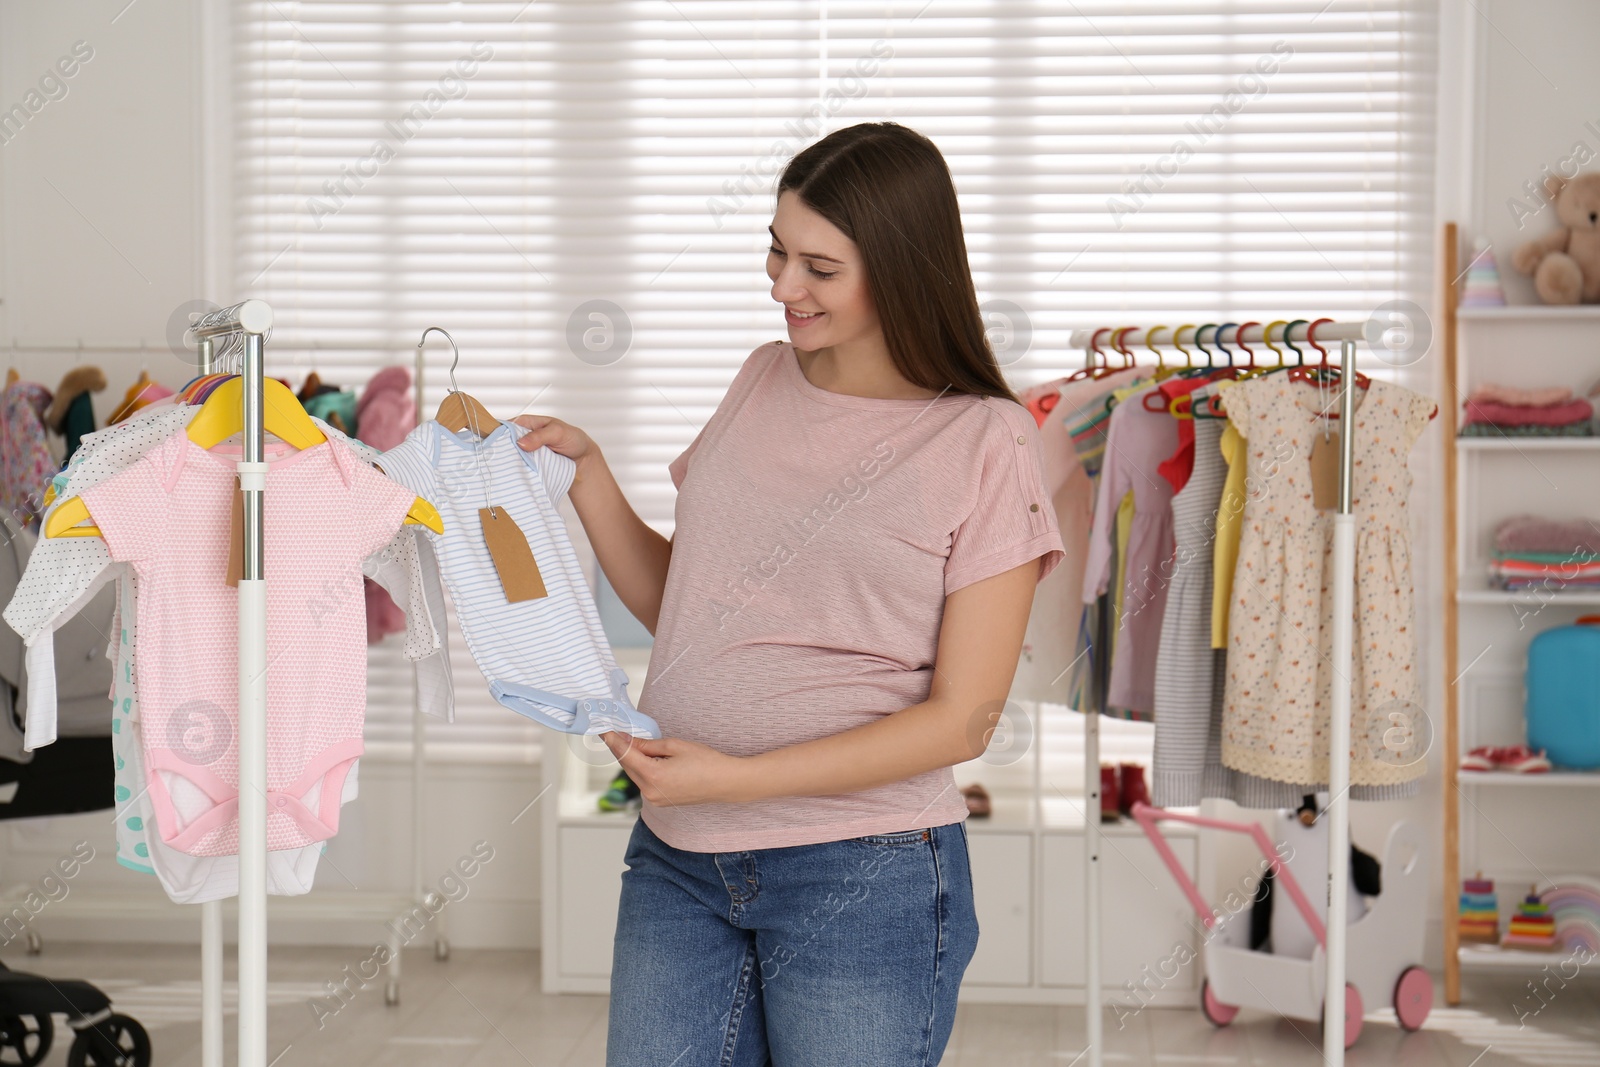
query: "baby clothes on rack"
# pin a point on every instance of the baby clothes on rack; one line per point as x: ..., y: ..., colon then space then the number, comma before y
x: 186, y: 879
x: 1186, y: 765
x: 1280, y: 626
x: 64, y: 573
x: 545, y: 658
x: 1087, y: 417
x: 82, y: 640
x: 1230, y: 515
x: 187, y: 625
x: 385, y: 413
x: 1136, y: 443
x: 26, y: 462
x: 71, y: 411
x: 1185, y: 661
x: 1051, y: 640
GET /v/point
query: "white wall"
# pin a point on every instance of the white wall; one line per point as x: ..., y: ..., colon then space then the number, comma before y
x: 99, y: 190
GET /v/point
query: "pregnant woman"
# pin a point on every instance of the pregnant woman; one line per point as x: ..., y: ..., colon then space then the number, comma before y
x: 837, y: 618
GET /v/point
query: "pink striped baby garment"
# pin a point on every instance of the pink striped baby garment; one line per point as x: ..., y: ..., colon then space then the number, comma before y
x: 168, y: 516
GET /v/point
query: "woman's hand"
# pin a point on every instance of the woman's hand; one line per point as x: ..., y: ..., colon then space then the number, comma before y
x: 673, y: 771
x: 562, y: 437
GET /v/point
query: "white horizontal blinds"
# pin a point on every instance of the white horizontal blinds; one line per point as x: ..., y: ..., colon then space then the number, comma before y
x: 626, y: 151
x: 1158, y: 161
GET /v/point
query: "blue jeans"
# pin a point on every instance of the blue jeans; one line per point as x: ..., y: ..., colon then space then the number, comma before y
x: 842, y: 954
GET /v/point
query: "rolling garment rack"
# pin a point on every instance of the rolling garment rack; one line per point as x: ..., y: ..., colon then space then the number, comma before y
x: 1344, y: 548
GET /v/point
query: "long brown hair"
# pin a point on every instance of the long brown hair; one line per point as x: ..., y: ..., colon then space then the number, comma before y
x: 887, y: 188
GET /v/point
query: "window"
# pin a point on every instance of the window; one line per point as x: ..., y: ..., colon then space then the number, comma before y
x: 579, y: 191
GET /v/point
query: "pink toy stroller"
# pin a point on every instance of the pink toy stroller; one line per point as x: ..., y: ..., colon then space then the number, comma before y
x: 1383, y: 945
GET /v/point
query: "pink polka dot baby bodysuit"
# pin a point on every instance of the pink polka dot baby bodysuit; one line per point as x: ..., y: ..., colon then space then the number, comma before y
x: 169, y: 517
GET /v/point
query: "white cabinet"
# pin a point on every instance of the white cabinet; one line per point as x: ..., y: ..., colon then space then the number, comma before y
x: 1148, y: 933
x: 1002, y: 891
x: 590, y: 879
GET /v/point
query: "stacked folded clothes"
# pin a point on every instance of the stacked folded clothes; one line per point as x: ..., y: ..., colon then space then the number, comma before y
x: 1506, y: 410
x: 1551, y: 554
x: 1480, y: 911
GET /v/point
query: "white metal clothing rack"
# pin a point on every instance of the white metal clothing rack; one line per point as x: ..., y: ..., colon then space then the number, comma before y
x: 1344, y: 572
x: 251, y: 321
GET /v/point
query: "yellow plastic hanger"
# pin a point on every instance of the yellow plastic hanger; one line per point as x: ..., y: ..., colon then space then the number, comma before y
x: 222, y: 416
x: 1163, y: 371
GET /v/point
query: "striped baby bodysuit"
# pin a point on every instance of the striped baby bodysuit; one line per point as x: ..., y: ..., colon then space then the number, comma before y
x: 547, y: 658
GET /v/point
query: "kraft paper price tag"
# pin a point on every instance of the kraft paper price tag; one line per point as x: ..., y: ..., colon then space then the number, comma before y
x: 513, y: 559
x: 236, y: 538
x: 1325, y: 472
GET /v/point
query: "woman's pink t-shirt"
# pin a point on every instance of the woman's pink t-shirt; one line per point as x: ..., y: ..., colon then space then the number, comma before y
x: 817, y: 537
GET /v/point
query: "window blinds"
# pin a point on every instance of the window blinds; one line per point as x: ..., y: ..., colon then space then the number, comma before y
x: 579, y: 191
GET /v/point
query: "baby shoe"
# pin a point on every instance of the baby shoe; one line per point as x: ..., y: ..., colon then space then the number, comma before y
x: 1519, y: 759
x: 1131, y: 788
x: 1110, y: 794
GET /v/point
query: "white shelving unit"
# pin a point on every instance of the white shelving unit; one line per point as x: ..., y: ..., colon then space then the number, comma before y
x: 1530, y: 312
x: 1027, y: 862
x: 1488, y: 815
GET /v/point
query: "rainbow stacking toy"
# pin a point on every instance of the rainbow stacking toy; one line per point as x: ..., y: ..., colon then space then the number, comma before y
x: 1480, y: 911
x: 1533, y: 926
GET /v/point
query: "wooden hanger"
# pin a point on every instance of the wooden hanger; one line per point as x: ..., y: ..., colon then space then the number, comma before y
x: 12, y: 377
x: 222, y: 416
x: 462, y: 411
x: 459, y: 411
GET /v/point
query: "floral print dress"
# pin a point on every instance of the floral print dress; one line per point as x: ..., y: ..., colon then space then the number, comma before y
x: 26, y: 463
x: 1279, y: 664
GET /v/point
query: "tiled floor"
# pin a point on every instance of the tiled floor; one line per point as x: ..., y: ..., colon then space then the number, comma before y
x: 483, y: 1009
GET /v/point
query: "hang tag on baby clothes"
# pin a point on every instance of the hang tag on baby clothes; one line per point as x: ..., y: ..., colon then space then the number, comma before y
x: 513, y: 559
x: 236, y: 537
x: 1325, y: 471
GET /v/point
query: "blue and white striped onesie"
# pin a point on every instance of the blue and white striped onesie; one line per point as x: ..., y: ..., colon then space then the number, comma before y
x: 547, y: 659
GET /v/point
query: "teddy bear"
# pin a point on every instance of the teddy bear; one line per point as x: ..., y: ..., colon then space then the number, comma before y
x: 1565, y: 264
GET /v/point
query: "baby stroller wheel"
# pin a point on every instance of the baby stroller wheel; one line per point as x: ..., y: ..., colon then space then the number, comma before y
x: 1413, y: 998
x: 116, y: 1041
x: 1216, y: 1012
x: 1353, y: 1012
x: 25, y: 1039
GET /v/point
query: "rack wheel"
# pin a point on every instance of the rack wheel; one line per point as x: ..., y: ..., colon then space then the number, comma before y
x: 116, y: 1041
x: 1352, y: 1014
x: 35, y: 943
x: 1216, y: 1012
x: 25, y: 1039
x: 441, y: 949
x: 391, y: 993
x: 1413, y: 998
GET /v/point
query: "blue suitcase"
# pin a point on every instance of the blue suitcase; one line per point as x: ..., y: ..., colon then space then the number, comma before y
x: 1564, y: 694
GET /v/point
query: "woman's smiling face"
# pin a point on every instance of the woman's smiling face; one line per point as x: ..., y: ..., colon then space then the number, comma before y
x: 818, y: 276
